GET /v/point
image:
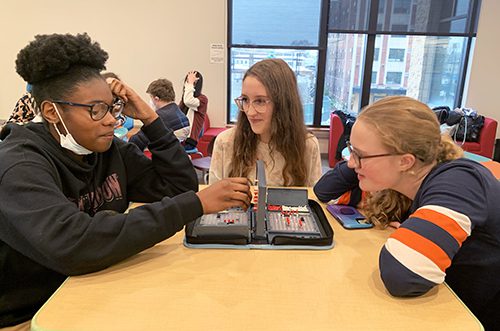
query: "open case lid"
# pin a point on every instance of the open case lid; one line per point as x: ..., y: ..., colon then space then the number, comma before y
x: 276, y: 195
x: 286, y: 197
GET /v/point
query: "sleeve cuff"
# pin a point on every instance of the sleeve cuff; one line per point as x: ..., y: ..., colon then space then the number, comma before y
x: 190, y: 205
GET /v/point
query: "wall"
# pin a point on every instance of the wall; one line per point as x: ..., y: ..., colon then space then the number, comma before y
x: 146, y: 40
x: 483, y: 90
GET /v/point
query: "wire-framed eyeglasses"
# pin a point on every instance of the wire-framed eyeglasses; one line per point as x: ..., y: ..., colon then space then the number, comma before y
x: 98, y: 110
x: 357, y: 158
x: 259, y: 104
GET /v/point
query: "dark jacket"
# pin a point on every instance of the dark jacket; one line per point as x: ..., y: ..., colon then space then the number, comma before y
x: 61, y: 217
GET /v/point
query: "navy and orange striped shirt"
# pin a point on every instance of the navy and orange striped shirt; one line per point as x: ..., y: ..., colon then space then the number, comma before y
x: 452, y: 235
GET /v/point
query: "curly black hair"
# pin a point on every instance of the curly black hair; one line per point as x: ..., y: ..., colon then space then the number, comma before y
x: 54, y: 64
x: 52, y: 55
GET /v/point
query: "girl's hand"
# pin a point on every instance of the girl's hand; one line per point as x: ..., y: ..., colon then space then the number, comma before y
x: 191, y: 77
x: 227, y: 193
x: 395, y: 224
x: 135, y: 107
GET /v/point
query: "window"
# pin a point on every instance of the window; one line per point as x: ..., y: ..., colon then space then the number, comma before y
x: 256, y: 23
x: 432, y: 73
x: 393, y: 78
x: 399, y: 27
x: 347, y: 53
x: 343, y: 75
x: 302, y: 62
x: 381, y: 7
x: 256, y: 34
x: 396, y: 54
x: 402, y: 6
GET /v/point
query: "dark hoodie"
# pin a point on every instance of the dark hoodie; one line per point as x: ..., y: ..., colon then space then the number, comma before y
x: 61, y: 217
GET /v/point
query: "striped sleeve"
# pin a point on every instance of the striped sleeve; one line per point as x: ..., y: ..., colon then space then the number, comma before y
x: 416, y: 256
x: 336, y: 182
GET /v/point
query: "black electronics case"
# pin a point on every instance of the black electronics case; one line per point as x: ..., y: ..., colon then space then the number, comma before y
x: 282, y: 218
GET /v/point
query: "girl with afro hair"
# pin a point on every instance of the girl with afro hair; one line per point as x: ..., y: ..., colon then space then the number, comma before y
x: 66, y: 181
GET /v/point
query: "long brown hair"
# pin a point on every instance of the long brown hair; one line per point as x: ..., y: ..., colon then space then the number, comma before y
x: 405, y: 125
x: 288, y: 131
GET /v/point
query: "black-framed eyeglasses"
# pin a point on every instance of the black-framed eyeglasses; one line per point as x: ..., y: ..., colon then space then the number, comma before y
x: 259, y: 104
x: 357, y: 158
x: 98, y: 110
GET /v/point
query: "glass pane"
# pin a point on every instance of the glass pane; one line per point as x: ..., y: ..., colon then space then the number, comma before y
x: 430, y: 69
x: 343, y: 74
x: 349, y: 15
x: 303, y: 62
x: 396, y: 54
x: 462, y: 7
x: 276, y: 23
x: 428, y: 16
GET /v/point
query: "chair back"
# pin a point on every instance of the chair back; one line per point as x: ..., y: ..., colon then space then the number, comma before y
x: 336, y: 133
x: 486, y: 143
x: 206, y: 123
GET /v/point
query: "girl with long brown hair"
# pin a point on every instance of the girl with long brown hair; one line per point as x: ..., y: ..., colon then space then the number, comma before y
x: 271, y: 128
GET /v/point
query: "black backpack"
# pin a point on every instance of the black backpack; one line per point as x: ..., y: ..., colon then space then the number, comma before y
x: 442, y: 113
x: 467, y: 122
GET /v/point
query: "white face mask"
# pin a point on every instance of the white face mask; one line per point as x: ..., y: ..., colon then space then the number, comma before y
x: 68, y: 141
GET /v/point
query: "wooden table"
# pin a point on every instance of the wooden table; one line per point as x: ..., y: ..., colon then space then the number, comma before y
x: 171, y: 287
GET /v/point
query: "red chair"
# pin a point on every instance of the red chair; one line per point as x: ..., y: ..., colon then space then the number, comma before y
x: 195, y: 152
x: 203, y: 164
x: 486, y: 143
x: 336, y: 132
x: 209, y: 134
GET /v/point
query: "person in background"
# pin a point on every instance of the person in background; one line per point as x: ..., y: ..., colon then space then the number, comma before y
x: 24, y: 110
x: 452, y: 231
x: 194, y: 104
x: 162, y: 94
x: 270, y: 127
x: 65, y: 183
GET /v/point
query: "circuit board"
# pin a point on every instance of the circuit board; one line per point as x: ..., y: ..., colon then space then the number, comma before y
x: 225, y: 218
